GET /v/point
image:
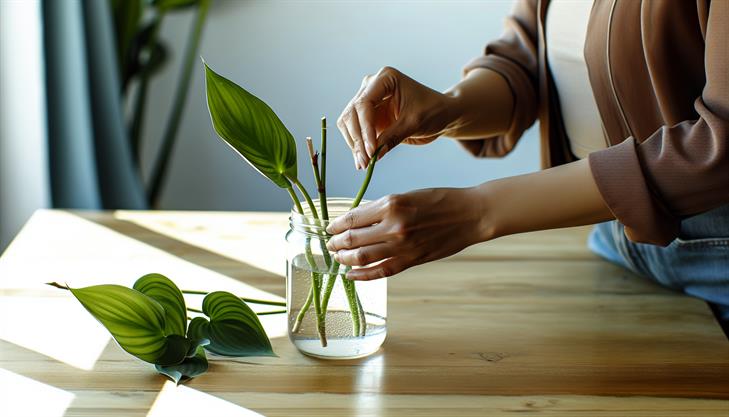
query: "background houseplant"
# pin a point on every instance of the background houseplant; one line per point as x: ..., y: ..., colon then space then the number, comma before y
x: 141, y: 55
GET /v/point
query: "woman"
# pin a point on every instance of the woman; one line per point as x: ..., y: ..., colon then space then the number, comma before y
x: 632, y: 99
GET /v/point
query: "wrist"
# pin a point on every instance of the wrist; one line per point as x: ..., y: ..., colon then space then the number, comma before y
x: 455, y: 111
x: 484, y: 212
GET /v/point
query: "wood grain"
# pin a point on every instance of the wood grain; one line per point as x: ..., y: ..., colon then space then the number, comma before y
x: 530, y: 323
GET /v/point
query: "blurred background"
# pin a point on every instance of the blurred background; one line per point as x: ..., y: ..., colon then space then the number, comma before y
x: 103, y: 102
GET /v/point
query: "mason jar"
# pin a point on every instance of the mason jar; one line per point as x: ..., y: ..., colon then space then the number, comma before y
x: 329, y: 316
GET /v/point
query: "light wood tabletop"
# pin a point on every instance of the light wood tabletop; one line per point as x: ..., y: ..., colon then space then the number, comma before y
x: 531, y: 323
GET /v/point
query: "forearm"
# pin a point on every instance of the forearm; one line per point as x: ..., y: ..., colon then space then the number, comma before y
x: 482, y: 105
x: 557, y: 197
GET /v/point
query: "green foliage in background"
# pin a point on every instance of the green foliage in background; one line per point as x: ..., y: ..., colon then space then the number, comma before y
x: 141, y: 55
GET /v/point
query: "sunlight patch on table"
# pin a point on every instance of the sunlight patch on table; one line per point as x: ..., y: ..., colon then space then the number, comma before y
x: 256, y: 239
x: 368, y: 384
x: 183, y: 401
x: 25, y: 397
x: 63, y: 247
x: 57, y: 327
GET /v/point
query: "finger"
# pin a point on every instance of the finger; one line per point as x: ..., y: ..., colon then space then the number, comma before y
x: 345, y: 133
x: 367, y: 119
x: 354, y: 238
x: 355, y: 131
x: 384, y: 269
x: 365, y: 255
x: 361, y: 216
x: 393, y: 135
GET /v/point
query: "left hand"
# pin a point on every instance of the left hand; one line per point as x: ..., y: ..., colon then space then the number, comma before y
x: 396, y: 232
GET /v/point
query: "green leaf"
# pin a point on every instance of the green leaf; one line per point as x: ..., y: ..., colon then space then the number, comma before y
x: 136, y: 321
x: 165, y: 292
x: 127, y: 15
x: 191, y: 367
x: 250, y: 127
x: 233, y: 329
x: 173, y: 4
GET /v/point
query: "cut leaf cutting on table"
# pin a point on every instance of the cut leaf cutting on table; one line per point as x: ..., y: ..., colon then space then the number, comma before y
x: 149, y: 321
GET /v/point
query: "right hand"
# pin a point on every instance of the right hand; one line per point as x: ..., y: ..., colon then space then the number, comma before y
x: 390, y: 108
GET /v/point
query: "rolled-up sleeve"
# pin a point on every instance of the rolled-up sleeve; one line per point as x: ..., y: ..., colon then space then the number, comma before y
x: 514, y: 57
x: 680, y: 170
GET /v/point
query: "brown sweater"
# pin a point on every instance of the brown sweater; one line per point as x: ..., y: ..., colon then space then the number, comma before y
x: 659, y: 71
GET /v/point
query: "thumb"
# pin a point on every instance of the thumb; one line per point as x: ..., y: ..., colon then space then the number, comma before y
x: 393, y: 135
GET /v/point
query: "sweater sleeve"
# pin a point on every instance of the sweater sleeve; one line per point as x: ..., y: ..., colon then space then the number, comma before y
x: 514, y: 57
x: 679, y: 170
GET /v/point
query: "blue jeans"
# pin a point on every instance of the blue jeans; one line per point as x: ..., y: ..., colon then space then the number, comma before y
x: 696, y: 263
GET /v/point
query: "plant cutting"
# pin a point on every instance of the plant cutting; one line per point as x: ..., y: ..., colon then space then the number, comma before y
x: 150, y: 322
x: 251, y: 128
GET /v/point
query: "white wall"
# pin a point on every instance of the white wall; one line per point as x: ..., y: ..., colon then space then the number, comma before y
x: 306, y: 59
x: 23, y: 164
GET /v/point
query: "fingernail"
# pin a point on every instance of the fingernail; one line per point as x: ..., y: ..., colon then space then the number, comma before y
x: 362, y: 162
x: 358, y: 159
x: 370, y: 149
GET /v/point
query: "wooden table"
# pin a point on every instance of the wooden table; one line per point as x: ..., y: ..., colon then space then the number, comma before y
x: 530, y: 323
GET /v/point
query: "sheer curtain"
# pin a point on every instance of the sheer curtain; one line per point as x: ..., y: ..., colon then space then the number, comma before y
x: 63, y: 142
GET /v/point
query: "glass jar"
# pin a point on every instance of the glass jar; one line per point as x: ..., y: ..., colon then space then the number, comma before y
x: 329, y: 316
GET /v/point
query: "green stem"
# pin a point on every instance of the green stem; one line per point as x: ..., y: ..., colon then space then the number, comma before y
x: 322, y: 185
x: 361, y: 313
x: 247, y: 300
x: 140, y: 101
x: 268, y: 313
x: 328, y: 291
x: 352, y: 297
x: 307, y: 197
x: 159, y: 169
x: 265, y: 313
x: 304, y: 308
x: 351, y: 293
x: 368, y: 177
x: 295, y: 198
x: 315, y: 291
x: 312, y: 207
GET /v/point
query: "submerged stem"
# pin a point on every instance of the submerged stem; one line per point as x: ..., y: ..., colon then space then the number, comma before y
x: 315, y: 291
x: 304, y: 308
x: 352, y: 296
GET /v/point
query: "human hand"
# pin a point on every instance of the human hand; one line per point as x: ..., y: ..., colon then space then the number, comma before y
x: 390, y: 108
x: 397, y: 232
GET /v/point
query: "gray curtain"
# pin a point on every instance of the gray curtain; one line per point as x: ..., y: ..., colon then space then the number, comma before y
x: 90, y: 161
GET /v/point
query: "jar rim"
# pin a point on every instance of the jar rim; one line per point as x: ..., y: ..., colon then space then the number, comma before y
x: 306, y: 223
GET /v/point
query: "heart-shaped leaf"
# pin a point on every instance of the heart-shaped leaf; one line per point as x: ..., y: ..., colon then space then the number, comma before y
x: 136, y: 321
x: 191, y: 367
x: 165, y: 292
x: 250, y: 127
x: 233, y: 329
